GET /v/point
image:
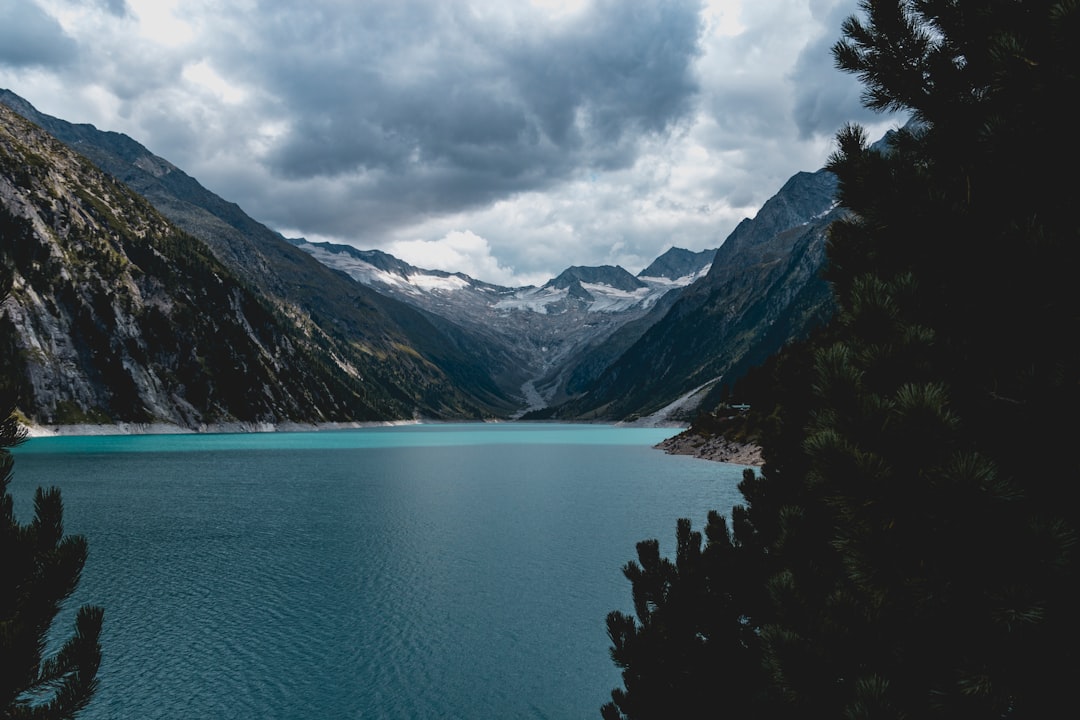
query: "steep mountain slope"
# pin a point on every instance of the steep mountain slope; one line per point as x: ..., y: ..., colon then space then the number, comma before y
x: 679, y: 263
x: 600, y: 341
x: 119, y: 316
x: 428, y: 364
x: 762, y: 290
x: 532, y: 338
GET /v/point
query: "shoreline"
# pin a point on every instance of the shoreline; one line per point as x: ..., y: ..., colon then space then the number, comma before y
x: 90, y: 430
x: 715, y: 448
x: 166, y: 428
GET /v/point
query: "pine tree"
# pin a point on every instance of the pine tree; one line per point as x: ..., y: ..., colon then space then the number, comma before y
x: 690, y: 628
x: 916, y: 522
x: 40, y: 568
x: 940, y: 437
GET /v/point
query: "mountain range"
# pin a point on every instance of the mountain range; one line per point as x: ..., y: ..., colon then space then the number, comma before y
x: 408, y: 367
x: 535, y: 336
x: 113, y: 322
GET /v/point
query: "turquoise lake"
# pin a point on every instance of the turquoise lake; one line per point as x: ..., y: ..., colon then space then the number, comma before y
x: 421, y: 571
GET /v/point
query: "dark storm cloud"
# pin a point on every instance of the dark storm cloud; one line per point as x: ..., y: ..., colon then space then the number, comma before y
x: 29, y: 37
x: 118, y: 8
x: 625, y: 70
x: 498, y: 137
x: 825, y: 98
x: 449, y: 109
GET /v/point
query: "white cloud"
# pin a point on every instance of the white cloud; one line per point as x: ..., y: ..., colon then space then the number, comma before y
x: 204, y: 79
x: 162, y: 22
x: 463, y: 251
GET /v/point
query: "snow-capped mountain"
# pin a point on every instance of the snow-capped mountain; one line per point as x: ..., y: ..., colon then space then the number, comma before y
x: 534, y: 334
x: 606, y: 288
x: 592, y: 343
x: 764, y: 288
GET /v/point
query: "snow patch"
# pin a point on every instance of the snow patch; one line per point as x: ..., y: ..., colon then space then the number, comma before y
x: 449, y: 283
x: 533, y: 299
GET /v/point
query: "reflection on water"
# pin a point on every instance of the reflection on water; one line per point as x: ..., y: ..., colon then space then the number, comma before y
x: 420, y: 571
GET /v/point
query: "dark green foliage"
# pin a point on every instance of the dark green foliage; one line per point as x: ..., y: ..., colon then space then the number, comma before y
x: 40, y: 568
x: 916, y: 522
x: 692, y: 629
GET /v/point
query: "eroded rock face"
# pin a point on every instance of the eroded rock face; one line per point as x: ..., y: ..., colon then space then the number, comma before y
x: 365, y: 356
x: 119, y: 316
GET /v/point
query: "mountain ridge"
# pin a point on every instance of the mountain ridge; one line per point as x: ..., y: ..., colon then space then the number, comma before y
x: 762, y: 290
x: 594, y: 342
x: 351, y: 315
x: 120, y: 316
x: 530, y: 333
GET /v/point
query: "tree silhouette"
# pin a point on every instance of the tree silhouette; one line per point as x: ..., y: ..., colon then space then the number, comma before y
x: 40, y: 568
x: 692, y: 628
x: 915, y: 525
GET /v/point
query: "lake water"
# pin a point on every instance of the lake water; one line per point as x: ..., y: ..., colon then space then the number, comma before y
x: 423, y: 571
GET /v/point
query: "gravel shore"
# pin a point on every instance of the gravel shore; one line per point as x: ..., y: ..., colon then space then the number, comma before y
x: 716, y: 448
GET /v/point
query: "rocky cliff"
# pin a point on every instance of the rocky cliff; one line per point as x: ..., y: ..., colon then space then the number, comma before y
x: 763, y: 289
x: 117, y: 315
x: 429, y: 368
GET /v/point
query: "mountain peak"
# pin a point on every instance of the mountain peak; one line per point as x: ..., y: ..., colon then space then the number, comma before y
x: 611, y: 275
x: 679, y: 263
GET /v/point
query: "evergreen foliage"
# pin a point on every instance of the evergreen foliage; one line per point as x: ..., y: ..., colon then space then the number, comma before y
x: 909, y: 549
x: 40, y: 568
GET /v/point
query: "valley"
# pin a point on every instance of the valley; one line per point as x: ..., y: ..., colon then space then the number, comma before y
x: 388, y: 341
x: 537, y: 335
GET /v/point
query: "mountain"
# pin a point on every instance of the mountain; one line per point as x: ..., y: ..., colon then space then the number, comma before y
x: 120, y: 316
x: 592, y: 343
x: 614, y: 277
x: 762, y: 290
x: 426, y: 363
x: 678, y: 263
x: 531, y: 338
x: 597, y: 343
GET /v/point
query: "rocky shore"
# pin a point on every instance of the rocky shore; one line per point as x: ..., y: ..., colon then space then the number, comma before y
x: 33, y: 431
x: 715, y: 447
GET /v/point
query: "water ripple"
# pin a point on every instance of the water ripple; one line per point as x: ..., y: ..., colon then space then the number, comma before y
x: 458, y: 580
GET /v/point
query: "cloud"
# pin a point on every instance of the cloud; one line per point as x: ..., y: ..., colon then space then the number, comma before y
x: 117, y: 8
x: 464, y: 250
x: 825, y: 99
x: 432, y: 108
x: 514, y: 136
x: 30, y: 37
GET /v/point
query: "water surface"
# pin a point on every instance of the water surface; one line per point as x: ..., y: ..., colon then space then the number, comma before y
x: 450, y: 571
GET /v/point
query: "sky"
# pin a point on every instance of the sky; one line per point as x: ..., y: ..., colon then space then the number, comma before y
x: 507, y: 139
